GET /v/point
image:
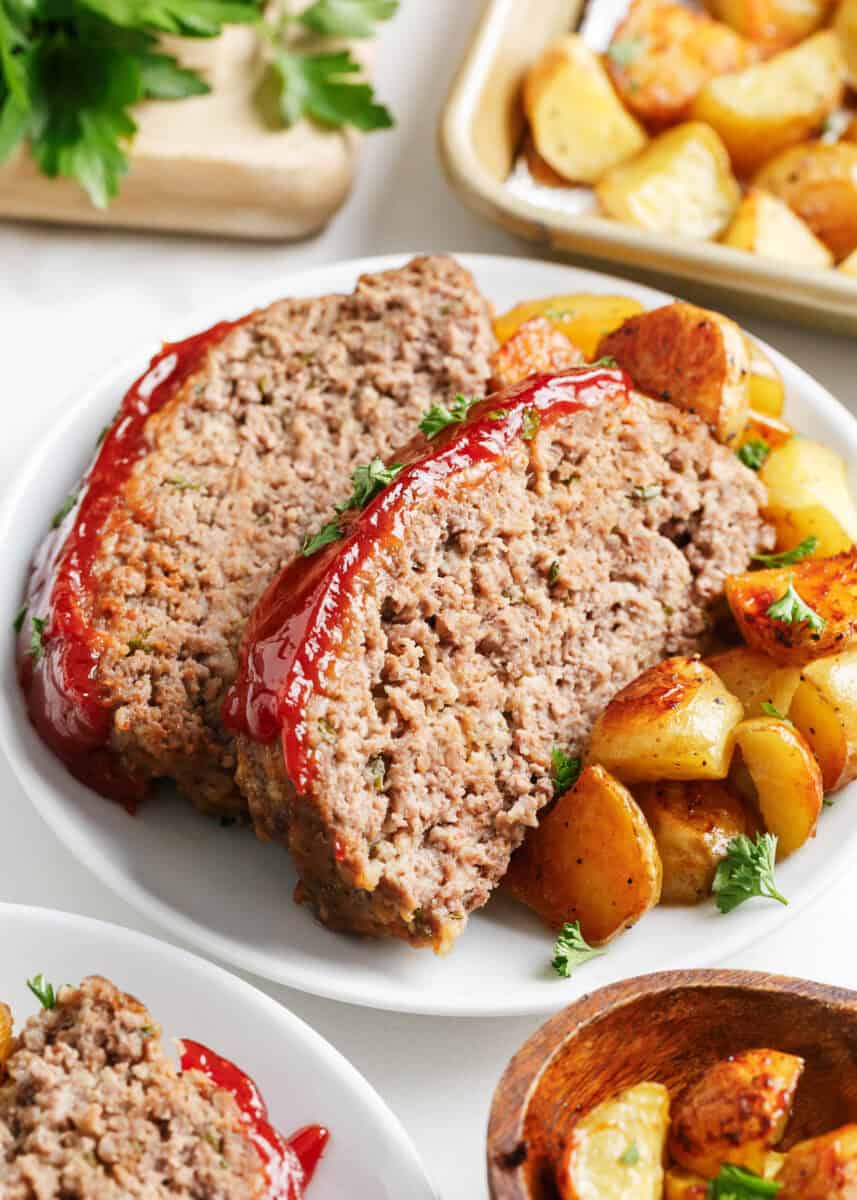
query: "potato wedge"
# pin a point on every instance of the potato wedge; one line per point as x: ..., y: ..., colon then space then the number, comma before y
x: 592, y: 859
x: 684, y: 1185
x: 845, y: 24
x: 767, y: 393
x: 824, y: 709
x: 756, y: 680
x: 772, y: 24
x: 5, y: 1036
x: 675, y: 721
x: 821, y: 1168
x: 693, y: 823
x: 849, y: 264
x: 577, y: 121
x: 617, y: 1149
x: 808, y: 494
x: 735, y: 1113
x: 682, y: 184
x: 662, y: 53
x: 583, y: 318
x: 537, y: 346
x: 768, y: 107
x: 765, y: 225
x: 694, y: 358
x: 786, y: 777
x: 818, y: 181
x: 771, y: 430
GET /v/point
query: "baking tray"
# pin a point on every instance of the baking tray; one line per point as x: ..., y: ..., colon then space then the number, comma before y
x: 481, y: 135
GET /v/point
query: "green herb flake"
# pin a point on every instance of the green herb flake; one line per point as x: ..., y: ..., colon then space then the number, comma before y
x: 347, y: 18
x: 736, y: 1183
x: 367, y: 482
x: 377, y: 768
x: 771, y: 710
x: 20, y: 617
x: 626, y: 51
x: 183, y: 485
x: 553, y: 573
x: 571, y: 950
x: 140, y: 642
x: 42, y: 990
x: 791, y: 610
x: 102, y: 436
x: 753, y: 454
x: 606, y: 360
x: 787, y: 557
x: 322, y: 86
x: 530, y: 423
x: 746, y: 871
x: 565, y: 770
x: 645, y: 493
x: 37, y: 638
x: 440, y: 417
x: 497, y: 414
x: 631, y: 1156
x: 828, y: 802
x: 327, y: 534
x: 63, y: 510
x: 327, y: 731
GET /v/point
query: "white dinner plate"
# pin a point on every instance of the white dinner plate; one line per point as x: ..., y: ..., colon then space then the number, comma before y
x: 231, y: 895
x: 303, y: 1080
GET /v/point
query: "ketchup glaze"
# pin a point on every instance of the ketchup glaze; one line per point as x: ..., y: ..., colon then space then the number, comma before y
x: 298, y: 625
x: 289, y: 1162
x: 60, y: 683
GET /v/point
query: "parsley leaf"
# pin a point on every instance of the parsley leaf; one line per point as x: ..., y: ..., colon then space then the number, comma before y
x: 347, y: 18
x: 187, y: 18
x: 606, y: 360
x: 625, y: 52
x: 786, y: 557
x: 320, y: 86
x: 754, y: 453
x: 63, y: 510
x: 368, y: 481
x: 631, y: 1155
x: 565, y: 771
x: 571, y: 950
x: 736, y: 1183
x: 327, y: 534
x: 440, y: 417
x: 37, y: 638
x: 771, y: 710
x: 746, y: 871
x: 42, y: 990
x: 791, y: 610
x: 20, y: 617
x: 530, y: 423
x: 553, y: 573
x: 644, y: 494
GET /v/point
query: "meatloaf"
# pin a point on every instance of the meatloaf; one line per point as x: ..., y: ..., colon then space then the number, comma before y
x: 401, y: 691
x: 91, y: 1108
x: 221, y: 459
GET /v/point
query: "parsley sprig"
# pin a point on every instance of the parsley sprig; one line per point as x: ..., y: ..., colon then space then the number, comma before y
x: 771, y: 710
x: 565, y: 771
x: 347, y: 18
x: 37, y: 638
x: 439, y: 417
x: 42, y: 990
x: 792, y: 610
x: 736, y: 1183
x: 571, y: 950
x: 753, y: 454
x: 366, y: 481
x: 746, y: 871
x: 786, y: 558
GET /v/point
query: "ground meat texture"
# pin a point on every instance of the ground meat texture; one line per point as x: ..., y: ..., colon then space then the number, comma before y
x: 495, y: 627
x: 92, y: 1109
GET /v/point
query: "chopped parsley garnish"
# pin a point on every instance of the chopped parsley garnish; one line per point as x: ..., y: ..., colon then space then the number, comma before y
x: 736, y: 1183
x: 754, y: 453
x: 42, y: 990
x: 646, y: 493
x: 63, y: 510
x: 20, y: 617
x: 183, y: 485
x: 624, y: 52
x: 326, y: 730
x: 530, y: 423
x: 37, y: 638
x: 746, y: 871
x: 565, y: 771
x: 828, y: 802
x: 102, y: 436
x: 786, y: 557
x: 377, y: 769
x: 140, y: 642
x: 327, y: 534
x: 497, y: 414
x: 367, y: 482
x: 771, y: 710
x: 347, y: 18
x: 791, y: 610
x: 631, y: 1156
x: 440, y: 417
x: 571, y: 950
x: 553, y: 573
x: 606, y: 361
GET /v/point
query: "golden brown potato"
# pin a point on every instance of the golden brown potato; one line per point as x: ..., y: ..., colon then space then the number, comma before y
x: 694, y: 358
x: 849, y: 264
x: 682, y: 184
x: 824, y: 709
x: 675, y: 721
x: 583, y: 318
x: 775, y: 104
x: 765, y: 225
x: 821, y: 1168
x: 815, y: 608
x: 617, y: 1149
x: 772, y: 24
x: 693, y: 823
x: 786, y: 778
x: 577, y: 121
x: 593, y: 859
x: 735, y: 1113
x: 845, y: 24
x: 767, y: 393
x: 661, y: 55
x: 684, y: 1185
x: 760, y: 427
x: 536, y: 347
x: 818, y: 181
x: 809, y: 495
x: 5, y: 1036
x: 756, y: 680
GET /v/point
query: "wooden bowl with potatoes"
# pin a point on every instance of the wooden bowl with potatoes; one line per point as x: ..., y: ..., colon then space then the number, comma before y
x: 683, y: 1085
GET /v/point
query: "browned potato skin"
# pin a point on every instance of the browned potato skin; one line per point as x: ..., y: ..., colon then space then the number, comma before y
x: 755, y: 679
x: 818, y: 181
x: 736, y: 1112
x: 772, y: 24
x: 693, y: 822
x: 827, y: 585
x: 786, y: 777
x: 536, y: 347
x: 592, y: 859
x: 680, y: 51
x: 821, y: 1168
x: 693, y: 358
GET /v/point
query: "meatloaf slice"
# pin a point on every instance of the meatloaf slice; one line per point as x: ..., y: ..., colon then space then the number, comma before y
x: 92, y: 1109
x: 222, y: 457
x: 401, y: 691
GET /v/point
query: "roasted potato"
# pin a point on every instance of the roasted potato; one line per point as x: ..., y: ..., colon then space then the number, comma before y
x: 821, y: 1168
x: 675, y: 721
x: 617, y: 1149
x: 661, y: 55
x: 808, y: 494
x: 849, y: 264
x: 694, y: 358
x: 593, y: 859
x: 755, y: 679
x: 760, y: 427
x: 684, y: 1185
x: 693, y: 823
x: 765, y: 225
x: 5, y: 1036
x: 773, y: 105
x: 786, y: 778
x: 824, y: 709
x: 821, y: 618
x: 577, y: 121
x: 584, y: 319
x: 772, y: 24
x: 767, y: 394
x: 735, y: 1113
x: 537, y: 346
x: 818, y: 181
x: 682, y: 184
x: 845, y: 24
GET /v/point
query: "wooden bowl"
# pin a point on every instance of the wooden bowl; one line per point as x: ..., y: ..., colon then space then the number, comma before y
x: 667, y: 1028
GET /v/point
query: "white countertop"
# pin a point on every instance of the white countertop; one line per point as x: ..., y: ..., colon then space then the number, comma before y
x: 72, y: 301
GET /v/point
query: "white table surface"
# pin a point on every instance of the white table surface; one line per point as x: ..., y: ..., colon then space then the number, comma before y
x: 72, y: 301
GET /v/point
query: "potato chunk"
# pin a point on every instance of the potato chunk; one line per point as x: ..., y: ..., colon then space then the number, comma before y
x: 767, y: 393
x: 821, y: 1168
x: 818, y: 181
x: 617, y: 1149
x: 845, y: 24
x: 808, y: 494
x: 765, y: 225
x: 786, y: 777
x: 694, y: 358
x: 824, y: 587
x: 849, y: 264
x: 681, y: 184
x: 583, y: 318
x: 5, y: 1036
x: 578, y: 123
x: 760, y: 427
x: 824, y: 709
x: 675, y: 721
x: 693, y: 823
x: 593, y: 859
x: 756, y: 680
x: 735, y: 1113
x: 684, y: 1185
x: 768, y: 107
x: 773, y: 24
x: 536, y: 347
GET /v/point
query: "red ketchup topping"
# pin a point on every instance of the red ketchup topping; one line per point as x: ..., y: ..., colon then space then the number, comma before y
x: 289, y: 1162
x: 63, y: 695
x: 296, y: 628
